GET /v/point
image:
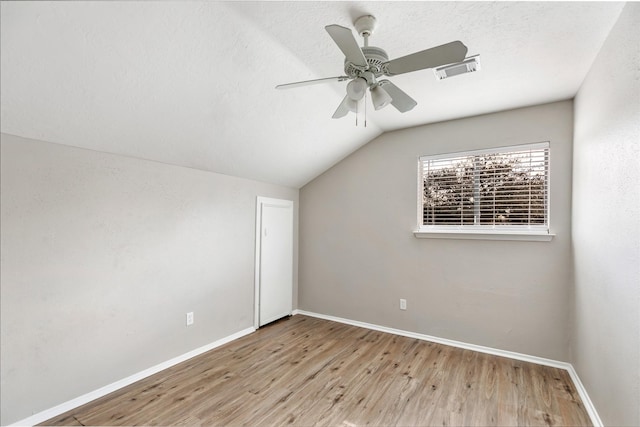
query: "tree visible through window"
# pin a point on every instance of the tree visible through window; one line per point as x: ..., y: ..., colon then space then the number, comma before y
x: 501, y: 188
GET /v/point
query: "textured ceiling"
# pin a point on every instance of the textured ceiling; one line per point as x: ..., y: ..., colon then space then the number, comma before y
x: 192, y: 83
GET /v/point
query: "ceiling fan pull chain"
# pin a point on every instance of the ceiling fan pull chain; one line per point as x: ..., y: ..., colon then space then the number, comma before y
x: 365, y: 109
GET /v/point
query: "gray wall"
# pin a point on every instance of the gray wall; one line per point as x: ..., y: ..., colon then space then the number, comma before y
x: 358, y: 255
x: 606, y: 226
x: 103, y: 255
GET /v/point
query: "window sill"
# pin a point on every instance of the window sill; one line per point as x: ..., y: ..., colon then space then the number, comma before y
x: 484, y: 235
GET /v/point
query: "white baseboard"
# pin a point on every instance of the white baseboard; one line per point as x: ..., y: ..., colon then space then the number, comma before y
x: 588, y: 404
x: 590, y: 408
x: 103, y: 391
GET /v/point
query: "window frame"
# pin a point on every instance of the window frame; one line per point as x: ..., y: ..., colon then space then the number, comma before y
x: 484, y: 232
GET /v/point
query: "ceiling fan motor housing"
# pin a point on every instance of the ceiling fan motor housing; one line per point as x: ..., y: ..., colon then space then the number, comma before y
x: 375, y: 56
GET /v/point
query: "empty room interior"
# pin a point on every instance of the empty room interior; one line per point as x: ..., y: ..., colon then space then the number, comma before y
x: 320, y: 213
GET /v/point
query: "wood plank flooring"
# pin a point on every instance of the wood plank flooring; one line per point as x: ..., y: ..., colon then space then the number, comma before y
x: 307, y: 371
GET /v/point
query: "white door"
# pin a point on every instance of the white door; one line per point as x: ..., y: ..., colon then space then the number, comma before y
x: 274, y: 260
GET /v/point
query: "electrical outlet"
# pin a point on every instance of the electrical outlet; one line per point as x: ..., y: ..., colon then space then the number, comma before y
x: 190, y: 318
x: 403, y: 304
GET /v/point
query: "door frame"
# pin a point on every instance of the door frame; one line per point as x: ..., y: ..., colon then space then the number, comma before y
x: 260, y: 202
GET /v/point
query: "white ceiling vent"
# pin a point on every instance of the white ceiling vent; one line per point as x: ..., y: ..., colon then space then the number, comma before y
x: 469, y: 65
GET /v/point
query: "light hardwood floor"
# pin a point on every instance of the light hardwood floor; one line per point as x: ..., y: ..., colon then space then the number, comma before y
x: 308, y: 371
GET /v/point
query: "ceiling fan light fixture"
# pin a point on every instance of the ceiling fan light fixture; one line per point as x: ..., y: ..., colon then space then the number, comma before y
x: 469, y: 65
x: 380, y: 97
x: 356, y: 89
x: 352, y: 105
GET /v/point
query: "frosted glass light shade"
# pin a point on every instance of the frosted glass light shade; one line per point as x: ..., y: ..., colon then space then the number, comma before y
x: 380, y: 97
x: 353, y: 105
x: 356, y: 89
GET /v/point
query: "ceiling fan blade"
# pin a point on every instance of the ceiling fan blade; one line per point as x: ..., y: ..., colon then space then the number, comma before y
x: 312, y: 82
x: 343, y: 109
x: 347, y: 44
x: 399, y: 99
x: 429, y: 58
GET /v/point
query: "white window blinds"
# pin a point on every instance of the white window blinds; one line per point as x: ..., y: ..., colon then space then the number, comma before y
x: 498, y: 189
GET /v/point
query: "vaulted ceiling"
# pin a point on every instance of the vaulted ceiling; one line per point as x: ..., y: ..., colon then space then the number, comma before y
x: 192, y: 83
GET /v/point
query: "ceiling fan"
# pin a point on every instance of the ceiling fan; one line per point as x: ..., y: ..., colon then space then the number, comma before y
x: 365, y: 65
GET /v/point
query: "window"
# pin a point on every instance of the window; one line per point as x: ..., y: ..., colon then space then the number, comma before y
x: 496, y: 192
